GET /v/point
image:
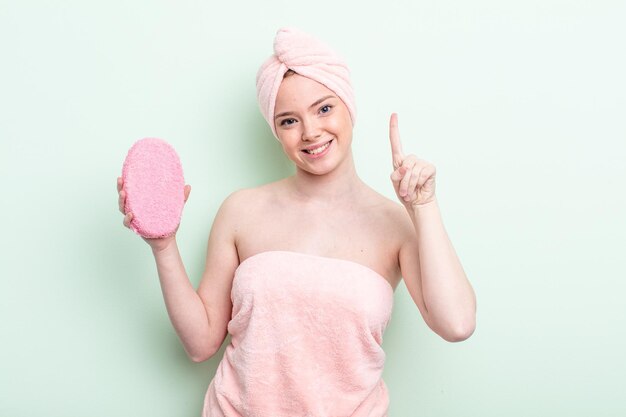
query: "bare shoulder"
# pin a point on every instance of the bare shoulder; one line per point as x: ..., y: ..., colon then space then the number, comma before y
x: 244, y: 206
x: 392, y: 215
x: 243, y: 200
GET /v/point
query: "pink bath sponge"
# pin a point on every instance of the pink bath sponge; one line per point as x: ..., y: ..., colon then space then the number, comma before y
x: 154, y: 186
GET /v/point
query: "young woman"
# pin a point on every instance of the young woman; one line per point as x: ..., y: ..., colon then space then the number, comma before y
x: 301, y: 272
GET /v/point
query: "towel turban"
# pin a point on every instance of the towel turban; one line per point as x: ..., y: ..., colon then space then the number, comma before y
x: 309, y: 57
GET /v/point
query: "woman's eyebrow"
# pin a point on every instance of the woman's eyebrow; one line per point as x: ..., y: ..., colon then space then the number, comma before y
x: 318, y: 101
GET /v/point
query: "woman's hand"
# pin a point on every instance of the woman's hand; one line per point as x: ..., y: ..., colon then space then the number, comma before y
x: 156, y: 244
x: 413, y: 178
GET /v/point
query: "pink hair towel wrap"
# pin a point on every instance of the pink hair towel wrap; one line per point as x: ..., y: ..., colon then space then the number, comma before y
x: 308, y: 56
x: 154, y: 186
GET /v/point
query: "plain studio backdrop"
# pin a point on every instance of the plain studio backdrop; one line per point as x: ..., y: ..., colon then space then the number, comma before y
x: 520, y: 106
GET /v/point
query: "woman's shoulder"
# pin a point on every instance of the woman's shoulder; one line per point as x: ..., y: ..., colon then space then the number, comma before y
x: 383, y: 204
x: 390, y: 213
x: 256, y: 195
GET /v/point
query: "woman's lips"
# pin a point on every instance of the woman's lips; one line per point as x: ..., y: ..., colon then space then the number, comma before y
x: 324, y: 152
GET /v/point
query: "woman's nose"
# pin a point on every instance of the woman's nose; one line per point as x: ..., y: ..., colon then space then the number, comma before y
x: 311, y: 130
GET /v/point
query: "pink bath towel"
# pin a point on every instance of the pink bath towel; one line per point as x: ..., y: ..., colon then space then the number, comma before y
x: 306, y: 335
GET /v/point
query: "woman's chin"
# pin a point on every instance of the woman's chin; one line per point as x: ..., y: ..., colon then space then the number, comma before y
x: 319, y: 169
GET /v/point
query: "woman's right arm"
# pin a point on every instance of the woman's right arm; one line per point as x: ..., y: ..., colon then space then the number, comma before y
x: 199, y: 318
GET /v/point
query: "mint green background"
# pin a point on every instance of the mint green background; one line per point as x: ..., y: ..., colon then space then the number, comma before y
x: 520, y: 105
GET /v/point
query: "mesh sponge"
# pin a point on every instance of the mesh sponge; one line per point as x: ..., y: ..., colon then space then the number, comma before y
x: 154, y: 186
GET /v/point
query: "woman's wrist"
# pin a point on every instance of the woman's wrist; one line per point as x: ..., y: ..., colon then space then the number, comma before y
x: 423, y: 209
x: 163, y: 245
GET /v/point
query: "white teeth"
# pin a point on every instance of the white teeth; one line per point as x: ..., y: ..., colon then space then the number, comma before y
x: 320, y: 149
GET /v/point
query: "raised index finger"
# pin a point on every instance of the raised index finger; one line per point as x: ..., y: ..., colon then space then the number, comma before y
x: 394, y: 137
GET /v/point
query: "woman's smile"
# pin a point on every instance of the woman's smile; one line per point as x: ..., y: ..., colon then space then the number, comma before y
x: 319, y: 151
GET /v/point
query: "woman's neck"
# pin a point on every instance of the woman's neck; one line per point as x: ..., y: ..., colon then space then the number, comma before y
x: 339, y: 185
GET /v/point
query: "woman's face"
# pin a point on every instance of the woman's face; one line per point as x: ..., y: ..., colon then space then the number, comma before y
x: 310, y: 116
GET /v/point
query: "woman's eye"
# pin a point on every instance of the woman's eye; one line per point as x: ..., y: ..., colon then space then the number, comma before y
x: 328, y: 106
x: 284, y: 122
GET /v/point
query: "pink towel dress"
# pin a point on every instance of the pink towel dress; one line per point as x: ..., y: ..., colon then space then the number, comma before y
x: 306, y: 340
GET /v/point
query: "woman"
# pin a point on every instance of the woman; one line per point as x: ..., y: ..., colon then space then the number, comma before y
x: 301, y: 271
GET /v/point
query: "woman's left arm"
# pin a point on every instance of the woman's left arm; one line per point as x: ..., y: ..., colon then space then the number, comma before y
x: 448, y: 297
